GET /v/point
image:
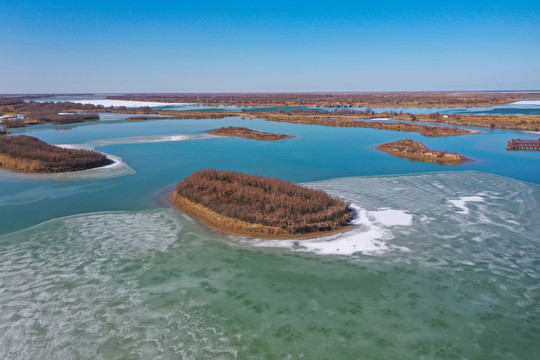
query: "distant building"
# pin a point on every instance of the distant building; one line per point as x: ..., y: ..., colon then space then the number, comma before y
x: 523, y: 145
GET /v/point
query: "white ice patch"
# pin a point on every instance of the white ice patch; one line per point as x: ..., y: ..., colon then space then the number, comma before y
x: 368, y: 237
x: 461, y: 203
x: 391, y: 217
x: 146, y: 139
x: 117, y: 103
x: 527, y: 102
x: 533, y: 133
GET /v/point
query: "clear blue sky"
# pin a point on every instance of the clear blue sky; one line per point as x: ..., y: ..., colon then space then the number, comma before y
x: 226, y: 46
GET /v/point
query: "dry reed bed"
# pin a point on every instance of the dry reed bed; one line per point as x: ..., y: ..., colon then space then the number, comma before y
x: 28, y: 154
x: 246, y: 133
x: 259, y: 205
x: 415, y: 150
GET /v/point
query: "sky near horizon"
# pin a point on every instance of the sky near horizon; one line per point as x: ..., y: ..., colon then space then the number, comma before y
x: 242, y: 46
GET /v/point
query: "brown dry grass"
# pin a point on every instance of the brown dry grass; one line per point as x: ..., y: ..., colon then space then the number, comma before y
x: 260, y: 205
x: 415, y: 150
x: 243, y: 132
x: 28, y: 154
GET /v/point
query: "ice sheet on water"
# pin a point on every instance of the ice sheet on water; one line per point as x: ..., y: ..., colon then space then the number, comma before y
x: 147, y: 139
x: 93, y: 286
x: 453, y: 214
x: 71, y: 289
x: 118, y: 103
x: 444, y: 216
x: 371, y: 229
x: 527, y: 102
x: 461, y: 203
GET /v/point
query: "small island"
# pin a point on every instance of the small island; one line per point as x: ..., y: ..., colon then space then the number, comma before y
x: 415, y: 150
x: 30, y: 155
x: 254, y: 205
x: 247, y: 133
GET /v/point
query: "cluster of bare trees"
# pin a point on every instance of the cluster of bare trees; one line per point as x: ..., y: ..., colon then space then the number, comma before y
x: 11, y: 101
x: 247, y: 133
x: 415, y: 150
x: 63, y: 119
x: 265, y: 201
x: 47, y: 112
x: 29, y: 154
x: 47, y: 107
x: 13, y: 123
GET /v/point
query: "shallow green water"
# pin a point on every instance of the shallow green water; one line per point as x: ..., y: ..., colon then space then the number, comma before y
x: 441, y: 265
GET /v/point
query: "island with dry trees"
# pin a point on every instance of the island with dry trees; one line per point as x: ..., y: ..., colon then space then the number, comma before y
x: 414, y: 150
x: 260, y: 206
x: 30, y: 155
x: 246, y: 133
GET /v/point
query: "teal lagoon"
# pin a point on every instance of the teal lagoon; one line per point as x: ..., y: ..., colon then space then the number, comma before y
x: 442, y: 263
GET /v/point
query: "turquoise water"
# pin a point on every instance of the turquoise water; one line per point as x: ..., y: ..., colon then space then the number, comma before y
x: 97, y: 267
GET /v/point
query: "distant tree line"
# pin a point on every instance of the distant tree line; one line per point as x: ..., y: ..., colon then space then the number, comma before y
x: 13, y: 123
x: 63, y: 119
x: 333, y: 99
x: 47, y: 112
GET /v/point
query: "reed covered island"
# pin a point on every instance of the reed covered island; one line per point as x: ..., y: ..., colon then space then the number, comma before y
x: 30, y: 155
x: 415, y: 150
x: 246, y: 133
x: 255, y: 205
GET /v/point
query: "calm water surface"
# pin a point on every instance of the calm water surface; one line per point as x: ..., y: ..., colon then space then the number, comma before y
x: 98, y: 268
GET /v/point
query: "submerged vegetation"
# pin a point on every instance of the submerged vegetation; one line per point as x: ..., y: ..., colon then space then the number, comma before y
x: 259, y: 205
x: 31, y: 155
x: 415, y: 150
x: 247, y: 133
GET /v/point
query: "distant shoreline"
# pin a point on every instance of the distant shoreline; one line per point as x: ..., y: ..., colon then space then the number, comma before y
x: 364, y: 99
